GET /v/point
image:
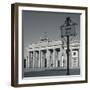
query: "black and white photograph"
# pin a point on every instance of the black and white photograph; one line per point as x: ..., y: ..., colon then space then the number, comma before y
x: 48, y: 38
x: 51, y: 42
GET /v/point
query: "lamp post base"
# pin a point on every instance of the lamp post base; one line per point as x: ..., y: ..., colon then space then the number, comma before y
x: 68, y: 73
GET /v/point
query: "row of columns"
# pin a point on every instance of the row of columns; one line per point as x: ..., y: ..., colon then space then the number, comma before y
x: 49, y: 58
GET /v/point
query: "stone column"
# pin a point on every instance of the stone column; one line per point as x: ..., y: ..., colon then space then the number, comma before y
x: 71, y: 61
x: 39, y: 62
x: 78, y: 58
x: 27, y: 61
x: 61, y: 56
x: 54, y: 59
x: 33, y: 59
x: 62, y: 60
x: 48, y: 59
x: 36, y: 60
x: 65, y: 58
x: 59, y: 53
x: 30, y: 60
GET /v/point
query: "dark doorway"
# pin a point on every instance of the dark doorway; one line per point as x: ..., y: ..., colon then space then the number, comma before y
x: 45, y: 63
x: 24, y: 63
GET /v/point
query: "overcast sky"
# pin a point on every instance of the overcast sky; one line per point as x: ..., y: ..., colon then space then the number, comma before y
x: 35, y: 23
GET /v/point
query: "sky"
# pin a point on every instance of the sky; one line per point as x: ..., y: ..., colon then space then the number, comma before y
x: 36, y: 23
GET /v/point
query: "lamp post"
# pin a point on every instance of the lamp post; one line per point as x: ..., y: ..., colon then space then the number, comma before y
x: 67, y: 30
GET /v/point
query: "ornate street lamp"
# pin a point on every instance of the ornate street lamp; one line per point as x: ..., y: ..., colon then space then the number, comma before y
x: 67, y: 30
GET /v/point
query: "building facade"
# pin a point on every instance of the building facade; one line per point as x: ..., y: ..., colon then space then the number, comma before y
x: 52, y: 55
